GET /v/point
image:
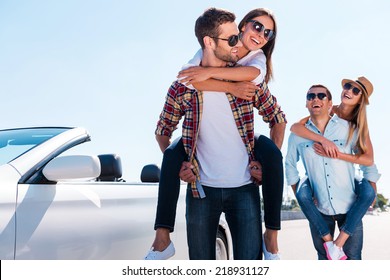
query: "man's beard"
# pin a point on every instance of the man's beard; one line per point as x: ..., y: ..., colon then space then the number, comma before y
x: 225, y: 56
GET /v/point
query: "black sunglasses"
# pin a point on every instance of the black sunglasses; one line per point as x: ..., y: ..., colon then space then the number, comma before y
x: 259, y: 27
x: 356, y: 91
x: 232, y: 40
x: 311, y: 96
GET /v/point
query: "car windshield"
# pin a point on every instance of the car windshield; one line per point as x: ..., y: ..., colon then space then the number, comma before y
x: 15, y: 142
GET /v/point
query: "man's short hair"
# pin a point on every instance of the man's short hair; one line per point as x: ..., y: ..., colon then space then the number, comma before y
x: 327, y: 91
x: 208, y: 23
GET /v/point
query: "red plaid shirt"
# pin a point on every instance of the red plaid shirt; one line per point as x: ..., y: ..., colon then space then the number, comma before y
x: 182, y: 101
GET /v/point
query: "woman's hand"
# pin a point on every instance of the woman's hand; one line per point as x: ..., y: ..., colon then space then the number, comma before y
x: 243, y: 90
x: 320, y: 150
x: 194, y: 75
x: 330, y: 148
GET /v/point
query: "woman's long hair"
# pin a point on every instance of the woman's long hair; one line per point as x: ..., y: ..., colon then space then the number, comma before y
x: 358, y: 121
x: 269, y: 46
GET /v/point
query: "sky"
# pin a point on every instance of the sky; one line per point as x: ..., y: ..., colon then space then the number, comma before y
x: 107, y: 65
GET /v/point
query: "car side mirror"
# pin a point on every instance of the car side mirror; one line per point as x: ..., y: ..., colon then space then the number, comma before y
x: 72, y: 167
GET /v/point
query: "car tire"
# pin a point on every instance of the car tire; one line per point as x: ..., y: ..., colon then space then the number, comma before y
x: 221, y: 246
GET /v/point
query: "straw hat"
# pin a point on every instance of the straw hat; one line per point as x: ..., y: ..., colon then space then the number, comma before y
x: 363, y: 83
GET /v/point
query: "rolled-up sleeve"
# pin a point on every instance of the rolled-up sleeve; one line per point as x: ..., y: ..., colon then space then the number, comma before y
x: 370, y: 173
x: 268, y: 106
x: 171, y: 113
x: 292, y: 157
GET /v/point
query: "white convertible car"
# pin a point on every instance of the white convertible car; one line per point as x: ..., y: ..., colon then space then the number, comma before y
x: 55, y: 206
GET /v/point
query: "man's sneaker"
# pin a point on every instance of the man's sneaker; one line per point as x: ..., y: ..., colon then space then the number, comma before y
x: 268, y: 255
x: 164, y: 255
x: 333, y: 252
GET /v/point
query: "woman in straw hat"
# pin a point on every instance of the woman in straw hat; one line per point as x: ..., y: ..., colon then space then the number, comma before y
x: 354, y: 99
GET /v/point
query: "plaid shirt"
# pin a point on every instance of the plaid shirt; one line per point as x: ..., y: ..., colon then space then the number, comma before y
x: 182, y: 101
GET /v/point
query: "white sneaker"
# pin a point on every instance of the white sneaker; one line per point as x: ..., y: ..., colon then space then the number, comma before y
x: 164, y: 255
x: 333, y: 252
x: 268, y: 255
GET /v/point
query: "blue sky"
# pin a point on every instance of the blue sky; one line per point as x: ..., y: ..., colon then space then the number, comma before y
x: 106, y: 65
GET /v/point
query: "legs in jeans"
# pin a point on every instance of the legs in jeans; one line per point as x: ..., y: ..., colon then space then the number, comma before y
x: 242, y: 210
x: 169, y: 186
x: 266, y: 152
x: 168, y: 193
x: 271, y: 159
x: 353, y: 246
x: 304, y: 197
x: 365, y: 195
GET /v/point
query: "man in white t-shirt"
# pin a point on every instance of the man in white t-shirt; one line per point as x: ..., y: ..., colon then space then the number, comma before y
x: 218, y: 138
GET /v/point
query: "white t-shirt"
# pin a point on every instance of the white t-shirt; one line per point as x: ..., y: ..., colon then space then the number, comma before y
x: 222, y: 154
x: 254, y: 58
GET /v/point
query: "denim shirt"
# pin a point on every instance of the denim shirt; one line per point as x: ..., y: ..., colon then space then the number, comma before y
x: 332, y: 180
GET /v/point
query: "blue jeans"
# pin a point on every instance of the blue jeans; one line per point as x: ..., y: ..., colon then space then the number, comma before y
x: 365, y: 195
x: 169, y: 185
x: 241, y: 206
x: 271, y: 159
x: 352, y: 248
x: 266, y: 152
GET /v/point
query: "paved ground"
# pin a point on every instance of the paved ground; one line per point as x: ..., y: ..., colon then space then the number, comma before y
x: 295, y: 241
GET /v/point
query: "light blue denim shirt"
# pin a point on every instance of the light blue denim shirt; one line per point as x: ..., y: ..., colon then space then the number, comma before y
x: 370, y: 173
x: 332, y: 180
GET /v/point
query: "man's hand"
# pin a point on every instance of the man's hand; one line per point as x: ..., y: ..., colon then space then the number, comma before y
x: 186, y: 173
x: 256, y: 171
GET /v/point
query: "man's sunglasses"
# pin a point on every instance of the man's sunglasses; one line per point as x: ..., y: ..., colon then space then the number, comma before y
x: 356, y: 91
x: 232, y: 40
x: 257, y: 26
x: 311, y: 96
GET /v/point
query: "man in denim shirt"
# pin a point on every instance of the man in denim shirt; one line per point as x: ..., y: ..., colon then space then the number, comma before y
x: 332, y: 180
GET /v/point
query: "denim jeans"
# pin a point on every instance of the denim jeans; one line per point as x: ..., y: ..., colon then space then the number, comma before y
x: 271, y: 159
x: 241, y: 206
x: 266, y: 152
x: 352, y: 247
x: 365, y: 195
x: 169, y: 185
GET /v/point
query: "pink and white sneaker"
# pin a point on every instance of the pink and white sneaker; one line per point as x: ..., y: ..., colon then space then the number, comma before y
x: 333, y: 252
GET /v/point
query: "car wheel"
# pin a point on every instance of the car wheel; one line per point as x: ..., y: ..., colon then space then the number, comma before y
x: 221, y: 246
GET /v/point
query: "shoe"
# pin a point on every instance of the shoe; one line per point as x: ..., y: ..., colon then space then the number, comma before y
x: 268, y: 255
x: 333, y: 252
x: 164, y: 255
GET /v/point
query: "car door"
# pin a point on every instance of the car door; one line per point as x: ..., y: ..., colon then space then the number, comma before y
x: 87, y: 220
x: 81, y: 221
x: 9, y: 178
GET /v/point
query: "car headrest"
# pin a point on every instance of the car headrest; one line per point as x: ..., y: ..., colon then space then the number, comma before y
x: 150, y: 174
x: 111, y: 167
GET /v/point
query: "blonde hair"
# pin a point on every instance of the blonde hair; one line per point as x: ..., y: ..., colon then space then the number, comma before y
x: 358, y: 121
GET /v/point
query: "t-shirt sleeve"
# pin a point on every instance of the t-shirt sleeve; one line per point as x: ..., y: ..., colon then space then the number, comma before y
x: 259, y: 61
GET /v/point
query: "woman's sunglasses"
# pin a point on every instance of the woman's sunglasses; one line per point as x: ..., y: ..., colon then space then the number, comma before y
x: 356, y: 91
x: 311, y: 96
x: 257, y: 26
x: 232, y: 40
